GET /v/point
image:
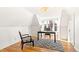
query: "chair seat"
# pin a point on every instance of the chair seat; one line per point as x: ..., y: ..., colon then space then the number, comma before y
x: 26, y: 39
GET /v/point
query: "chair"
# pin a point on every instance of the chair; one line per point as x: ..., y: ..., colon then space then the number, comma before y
x: 26, y: 38
x: 47, y: 29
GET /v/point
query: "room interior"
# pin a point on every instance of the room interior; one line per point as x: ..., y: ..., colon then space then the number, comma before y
x: 32, y: 21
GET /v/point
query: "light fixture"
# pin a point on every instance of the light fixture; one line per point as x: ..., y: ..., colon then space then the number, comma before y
x: 44, y: 9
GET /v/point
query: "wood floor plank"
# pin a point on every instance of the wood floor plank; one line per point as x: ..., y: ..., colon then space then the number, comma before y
x: 17, y: 48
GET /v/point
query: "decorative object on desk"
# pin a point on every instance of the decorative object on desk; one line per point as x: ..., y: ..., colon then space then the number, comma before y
x: 46, y: 28
x: 50, y: 25
x: 55, y: 26
x: 49, y: 44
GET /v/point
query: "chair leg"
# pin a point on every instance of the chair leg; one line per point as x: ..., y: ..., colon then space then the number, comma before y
x: 50, y: 36
x: 33, y: 43
x: 21, y: 45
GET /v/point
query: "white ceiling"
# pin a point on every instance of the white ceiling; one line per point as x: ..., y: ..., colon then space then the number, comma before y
x: 52, y: 11
x: 19, y: 16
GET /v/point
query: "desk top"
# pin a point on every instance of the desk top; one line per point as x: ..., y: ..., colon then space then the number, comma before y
x: 46, y: 31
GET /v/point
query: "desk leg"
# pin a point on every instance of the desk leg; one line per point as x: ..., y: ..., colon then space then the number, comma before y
x: 41, y: 35
x: 54, y: 37
x: 37, y: 36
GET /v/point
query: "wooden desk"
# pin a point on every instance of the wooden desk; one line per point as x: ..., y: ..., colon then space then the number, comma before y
x: 51, y: 32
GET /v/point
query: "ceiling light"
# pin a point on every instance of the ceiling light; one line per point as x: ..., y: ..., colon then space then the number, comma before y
x: 44, y: 9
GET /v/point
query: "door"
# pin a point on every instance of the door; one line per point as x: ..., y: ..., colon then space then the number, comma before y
x: 71, y: 31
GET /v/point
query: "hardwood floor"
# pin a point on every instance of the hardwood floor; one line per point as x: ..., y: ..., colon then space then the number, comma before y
x: 68, y: 47
x: 17, y: 48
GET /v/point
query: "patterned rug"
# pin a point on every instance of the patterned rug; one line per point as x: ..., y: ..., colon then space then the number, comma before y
x: 49, y: 44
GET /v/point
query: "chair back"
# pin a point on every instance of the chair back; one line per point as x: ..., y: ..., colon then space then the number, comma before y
x: 24, y: 38
x: 20, y: 35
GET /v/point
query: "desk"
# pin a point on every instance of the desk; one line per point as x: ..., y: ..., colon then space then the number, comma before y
x: 51, y: 32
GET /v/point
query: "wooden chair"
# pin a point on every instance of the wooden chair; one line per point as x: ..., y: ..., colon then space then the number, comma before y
x: 26, y: 38
x: 47, y: 29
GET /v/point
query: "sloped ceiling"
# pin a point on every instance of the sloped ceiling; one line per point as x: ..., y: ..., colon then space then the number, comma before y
x: 18, y: 16
x: 14, y: 16
x: 52, y: 11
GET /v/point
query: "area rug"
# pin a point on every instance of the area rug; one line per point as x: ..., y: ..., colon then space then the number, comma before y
x: 49, y: 44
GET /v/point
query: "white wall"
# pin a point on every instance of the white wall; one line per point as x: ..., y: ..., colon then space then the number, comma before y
x: 9, y: 35
x: 34, y: 26
x: 71, y: 30
x: 64, y: 25
x: 74, y: 29
x: 77, y: 33
x: 14, y: 16
x: 13, y: 19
